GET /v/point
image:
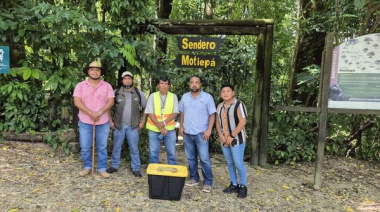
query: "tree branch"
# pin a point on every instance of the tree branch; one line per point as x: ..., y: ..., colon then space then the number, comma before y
x: 369, y: 123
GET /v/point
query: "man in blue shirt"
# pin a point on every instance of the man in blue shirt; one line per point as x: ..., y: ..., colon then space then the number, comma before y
x: 196, y: 121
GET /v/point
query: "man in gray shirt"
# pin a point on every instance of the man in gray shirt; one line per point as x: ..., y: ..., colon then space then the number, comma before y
x: 126, y: 123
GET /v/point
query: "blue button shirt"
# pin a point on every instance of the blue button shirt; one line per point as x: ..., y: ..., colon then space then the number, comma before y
x: 196, y: 112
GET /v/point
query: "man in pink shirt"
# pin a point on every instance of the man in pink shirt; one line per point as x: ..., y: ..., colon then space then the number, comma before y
x: 93, y: 97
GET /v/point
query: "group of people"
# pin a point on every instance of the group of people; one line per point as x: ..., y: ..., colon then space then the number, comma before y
x: 197, y: 114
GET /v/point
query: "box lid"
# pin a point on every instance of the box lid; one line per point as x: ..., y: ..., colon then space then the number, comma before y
x: 167, y: 170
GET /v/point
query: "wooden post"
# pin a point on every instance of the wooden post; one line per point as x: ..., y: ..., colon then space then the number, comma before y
x: 326, y: 71
x: 65, y: 117
x: 257, y: 105
x: 266, y: 95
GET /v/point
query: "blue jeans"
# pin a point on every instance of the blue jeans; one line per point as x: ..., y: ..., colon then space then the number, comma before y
x: 234, y: 158
x: 132, y: 135
x: 85, y: 139
x: 155, y: 145
x: 196, y: 146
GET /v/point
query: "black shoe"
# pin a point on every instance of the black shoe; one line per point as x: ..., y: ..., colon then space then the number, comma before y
x: 242, y: 192
x: 231, y: 189
x: 136, y: 173
x: 111, y: 170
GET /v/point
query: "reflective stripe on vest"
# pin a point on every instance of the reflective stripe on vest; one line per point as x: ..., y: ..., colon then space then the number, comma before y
x: 169, y: 105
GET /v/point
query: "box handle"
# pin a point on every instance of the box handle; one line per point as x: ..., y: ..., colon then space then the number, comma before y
x: 167, y: 169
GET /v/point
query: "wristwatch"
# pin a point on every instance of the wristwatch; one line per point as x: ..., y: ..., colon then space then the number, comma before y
x: 100, y: 112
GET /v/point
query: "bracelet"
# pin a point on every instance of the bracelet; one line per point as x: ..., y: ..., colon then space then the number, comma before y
x: 164, y: 123
x: 100, y: 112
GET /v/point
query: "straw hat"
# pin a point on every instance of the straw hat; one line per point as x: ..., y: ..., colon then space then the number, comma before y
x: 94, y: 65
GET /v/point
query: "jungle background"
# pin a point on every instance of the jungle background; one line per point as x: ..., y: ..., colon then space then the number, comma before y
x: 52, y: 40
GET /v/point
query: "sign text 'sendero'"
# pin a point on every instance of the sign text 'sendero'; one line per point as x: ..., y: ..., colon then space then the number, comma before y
x: 199, y: 43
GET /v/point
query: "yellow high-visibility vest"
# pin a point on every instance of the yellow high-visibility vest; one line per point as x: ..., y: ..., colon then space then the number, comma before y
x: 169, y: 105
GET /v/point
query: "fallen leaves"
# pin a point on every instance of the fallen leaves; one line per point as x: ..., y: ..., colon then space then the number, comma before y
x: 36, y: 178
x: 6, y: 147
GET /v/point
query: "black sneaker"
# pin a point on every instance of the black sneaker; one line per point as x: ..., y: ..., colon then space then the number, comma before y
x: 136, y: 173
x: 111, y: 170
x: 231, y: 189
x: 242, y: 192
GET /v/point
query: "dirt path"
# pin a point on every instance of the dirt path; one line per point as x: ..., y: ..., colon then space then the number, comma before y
x: 33, y: 177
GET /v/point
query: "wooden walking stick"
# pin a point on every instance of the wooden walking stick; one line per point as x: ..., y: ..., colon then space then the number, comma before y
x: 93, y: 149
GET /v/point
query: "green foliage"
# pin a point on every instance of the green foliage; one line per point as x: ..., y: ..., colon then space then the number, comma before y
x: 299, y: 133
x: 366, y: 147
x: 55, y: 140
x: 291, y: 136
x: 24, y: 104
x: 56, y: 39
x: 54, y: 58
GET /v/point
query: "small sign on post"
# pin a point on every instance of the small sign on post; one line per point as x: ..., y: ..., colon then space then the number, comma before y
x: 199, y: 44
x: 197, y: 61
x: 4, y: 59
x: 202, y: 44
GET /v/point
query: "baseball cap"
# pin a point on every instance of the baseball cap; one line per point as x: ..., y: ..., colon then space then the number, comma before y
x: 126, y: 73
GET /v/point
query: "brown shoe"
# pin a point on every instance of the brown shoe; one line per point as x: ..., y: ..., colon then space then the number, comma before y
x: 84, y: 172
x: 104, y: 174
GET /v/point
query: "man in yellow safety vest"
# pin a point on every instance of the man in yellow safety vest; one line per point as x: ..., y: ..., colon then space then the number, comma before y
x: 162, y: 109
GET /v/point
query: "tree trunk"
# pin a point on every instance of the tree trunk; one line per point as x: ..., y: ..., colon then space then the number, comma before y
x: 209, y: 9
x: 75, y: 121
x: 68, y: 135
x: 52, y: 103
x: 371, y: 22
x: 307, y: 51
x: 164, y: 8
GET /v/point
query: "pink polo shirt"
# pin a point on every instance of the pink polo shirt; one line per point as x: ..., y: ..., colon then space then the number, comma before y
x: 94, y: 99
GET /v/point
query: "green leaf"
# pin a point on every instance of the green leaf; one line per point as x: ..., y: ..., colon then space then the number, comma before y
x: 4, y: 25
x: 49, y: 137
x: 359, y: 3
x: 335, y: 147
x: 41, y: 74
x: 54, y: 84
x: 36, y: 73
x: 129, y: 53
x: 16, y: 39
x: 116, y: 40
x: 19, y: 95
x: 349, y: 16
x: 27, y: 74
x: 67, y: 85
x: 10, y: 87
x: 67, y: 151
x: 21, y: 32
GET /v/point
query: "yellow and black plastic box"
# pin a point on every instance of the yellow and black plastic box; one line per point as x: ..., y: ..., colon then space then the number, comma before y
x: 166, y: 181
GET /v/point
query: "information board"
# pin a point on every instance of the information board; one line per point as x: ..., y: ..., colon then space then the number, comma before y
x: 355, y: 74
